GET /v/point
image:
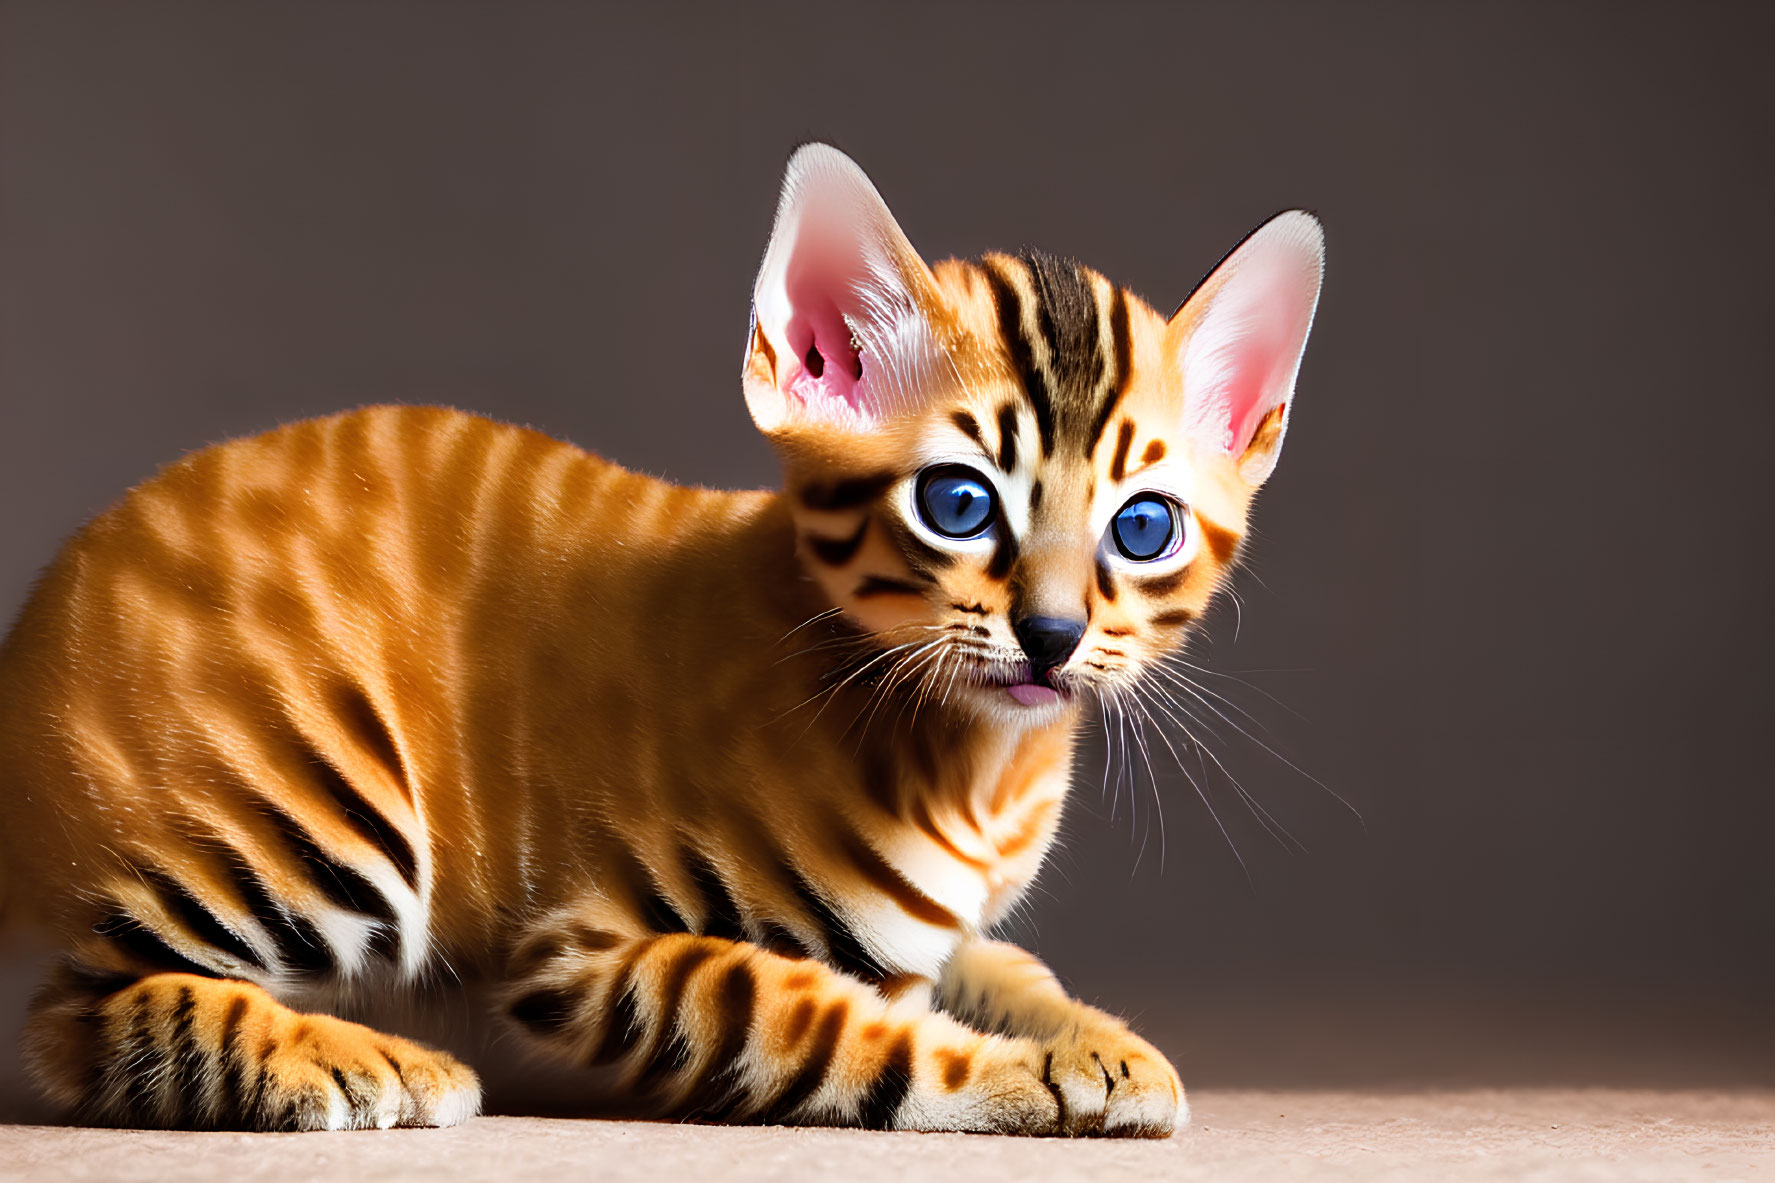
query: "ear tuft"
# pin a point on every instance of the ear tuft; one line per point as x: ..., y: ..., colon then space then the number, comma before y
x: 840, y: 333
x: 1242, y: 335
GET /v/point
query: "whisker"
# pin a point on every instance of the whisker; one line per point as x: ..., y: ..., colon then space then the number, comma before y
x: 1191, y: 689
x: 1178, y: 659
x: 831, y: 691
x: 1158, y: 801
x: 1202, y: 793
x: 904, y: 669
x: 1274, y: 828
x: 816, y: 616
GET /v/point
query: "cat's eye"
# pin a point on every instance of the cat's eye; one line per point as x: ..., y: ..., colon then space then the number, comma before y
x: 1146, y: 528
x: 955, y: 501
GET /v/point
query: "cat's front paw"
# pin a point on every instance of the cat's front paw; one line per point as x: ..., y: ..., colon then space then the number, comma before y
x: 1110, y: 1082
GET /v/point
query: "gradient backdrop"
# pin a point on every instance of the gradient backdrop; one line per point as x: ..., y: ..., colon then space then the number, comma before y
x: 1511, y: 588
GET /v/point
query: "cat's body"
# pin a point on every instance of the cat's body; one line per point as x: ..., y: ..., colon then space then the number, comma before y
x: 720, y: 790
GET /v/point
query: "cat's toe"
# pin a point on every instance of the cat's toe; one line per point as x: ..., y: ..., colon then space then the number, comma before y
x: 437, y: 1089
x: 1113, y: 1083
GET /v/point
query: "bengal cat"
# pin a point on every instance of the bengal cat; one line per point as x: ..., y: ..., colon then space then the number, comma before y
x: 721, y: 793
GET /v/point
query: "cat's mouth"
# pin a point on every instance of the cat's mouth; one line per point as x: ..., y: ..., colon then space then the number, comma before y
x: 1018, y: 682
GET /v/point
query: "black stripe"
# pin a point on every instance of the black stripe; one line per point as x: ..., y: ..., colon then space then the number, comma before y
x: 888, y: 879
x: 364, y: 817
x: 340, y: 882
x: 1162, y: 585
x: 721, y: 916
x: 658, y: 914
x: 921, y: 556
x: 232, y: 1106
x: 656, y: 911
x: 546, y: 1012
x: 198, y: 919
x: 623, y: 1029
x: 353, y: 708
x: 135, y: 1059
x: 593, y: 940
x: 384, y: 942
x: 765, y: 858
x: 718, y: 1093
x: 970, y: 426
x: 836, y: 552
x: 261, y: 1080
x: 814, y: 1069
x: 1105, y: 584
x: 1022, y: 354
x: 299, y: 945
x: 673, y: 1057
x: 1040, y: 265
x: 848, y: 493
x: 1004, y: 554
x: 532, y: 954
x: 1071, y: 322
x: 1118, y: 465
x: 186, y: 1056
x: 774, y: 938
x: 1059, y: 1097
x: 1007, y: 437
x: 1124, y: 361
x: 885, y: 1095
x: 144, y: 944
x: 672, y: 1052
x: 845, y: 950
x: 1035, y: 496
x: 882, y: 585
x: 355, y: 1090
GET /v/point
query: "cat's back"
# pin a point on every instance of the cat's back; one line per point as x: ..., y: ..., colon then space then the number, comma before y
x: 322, y: 529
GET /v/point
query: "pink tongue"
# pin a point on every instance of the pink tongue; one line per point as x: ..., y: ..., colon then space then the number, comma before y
x: 1031, y: 695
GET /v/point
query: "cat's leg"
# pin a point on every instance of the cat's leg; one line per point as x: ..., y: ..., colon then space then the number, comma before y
x: 178, y: 1050
x: 1108, y: 1079
x: 715, y: 1029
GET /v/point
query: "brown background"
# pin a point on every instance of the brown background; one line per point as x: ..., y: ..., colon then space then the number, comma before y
x: 1512, y: 579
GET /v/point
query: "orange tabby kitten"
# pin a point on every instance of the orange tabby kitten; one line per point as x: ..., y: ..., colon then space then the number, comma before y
x: 720, y: 791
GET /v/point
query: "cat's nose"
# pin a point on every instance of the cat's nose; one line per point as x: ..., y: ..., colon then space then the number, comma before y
x: 1049, y: 641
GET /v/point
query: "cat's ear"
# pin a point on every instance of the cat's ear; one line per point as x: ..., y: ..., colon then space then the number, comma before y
x: 840, y: 332
x: 1240, y: 336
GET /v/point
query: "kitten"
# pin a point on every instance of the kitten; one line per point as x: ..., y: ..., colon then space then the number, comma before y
x: 721, y: 791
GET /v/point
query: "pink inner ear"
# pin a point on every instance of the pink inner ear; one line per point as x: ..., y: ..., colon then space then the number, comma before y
x: 828, y: 370
x: 1240, y: 361
x: 1250, y: 394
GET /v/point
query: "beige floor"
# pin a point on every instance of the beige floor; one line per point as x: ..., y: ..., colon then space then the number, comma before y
x: 1516, y: 1135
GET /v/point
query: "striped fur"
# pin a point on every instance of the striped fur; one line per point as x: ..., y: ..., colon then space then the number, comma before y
x: 403, y: 697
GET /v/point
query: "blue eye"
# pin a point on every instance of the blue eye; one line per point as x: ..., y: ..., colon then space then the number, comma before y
x: 1145, y: 528
x: 955, y: 501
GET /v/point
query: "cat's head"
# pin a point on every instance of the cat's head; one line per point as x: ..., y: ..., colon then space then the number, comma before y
x: 1017, y: 478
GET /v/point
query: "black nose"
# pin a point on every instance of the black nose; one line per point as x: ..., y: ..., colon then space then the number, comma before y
x: 1049, y: 641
